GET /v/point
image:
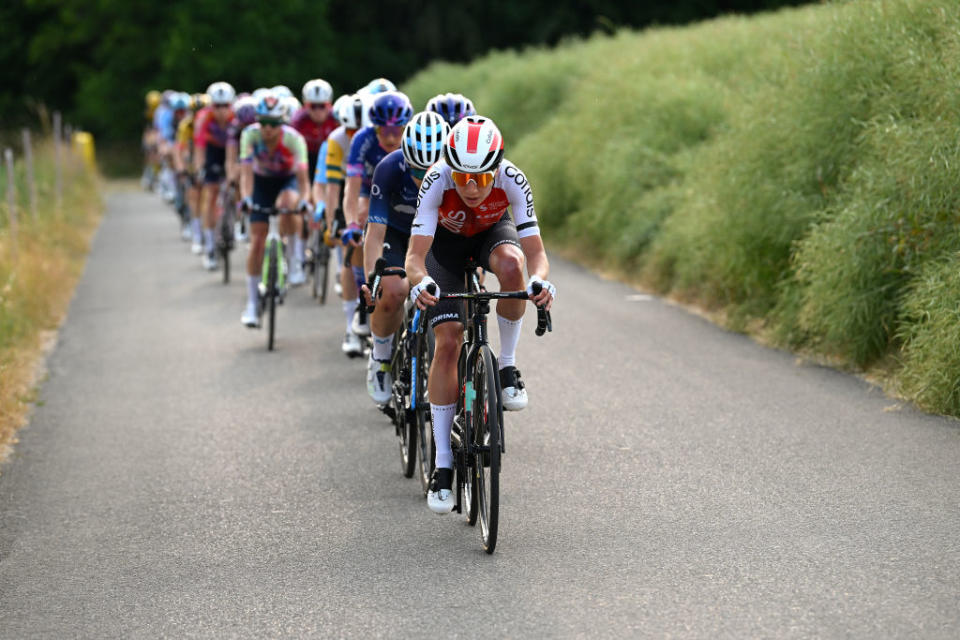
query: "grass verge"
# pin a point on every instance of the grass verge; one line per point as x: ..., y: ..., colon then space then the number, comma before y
x: 38, y: 273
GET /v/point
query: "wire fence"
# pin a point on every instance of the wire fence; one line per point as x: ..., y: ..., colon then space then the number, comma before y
x: 31, y: 183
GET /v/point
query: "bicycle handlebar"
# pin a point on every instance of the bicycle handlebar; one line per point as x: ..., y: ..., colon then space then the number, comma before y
x: 380, y: 270
x: 544, y: 321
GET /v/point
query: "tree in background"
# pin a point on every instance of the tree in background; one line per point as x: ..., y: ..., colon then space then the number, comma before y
x: 95, y: 59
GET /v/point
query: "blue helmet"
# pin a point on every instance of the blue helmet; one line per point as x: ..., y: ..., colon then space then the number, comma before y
x: 452, y: 107
x: 180, y: 101
x: 391, y: 108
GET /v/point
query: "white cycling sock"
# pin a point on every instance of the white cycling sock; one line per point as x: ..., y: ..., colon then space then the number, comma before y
x: 253, y: 289
x: 442, y: 418
x: 196, y: 229
x: 208, y: 240
x: 349, y: 308
x: 509, y: 337
x: 382, y: 347
x: 289, y: 253
x: 298, y: 248
x: 339, y: 250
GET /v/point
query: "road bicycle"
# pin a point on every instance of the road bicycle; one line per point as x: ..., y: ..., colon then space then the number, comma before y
x: 408, y: 407
x: 317, y: 261
x: 225, y: 226
x: 477, y: 436
x: 273, y: 279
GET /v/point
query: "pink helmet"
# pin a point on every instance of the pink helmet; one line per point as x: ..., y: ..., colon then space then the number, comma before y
x: 474, y: 145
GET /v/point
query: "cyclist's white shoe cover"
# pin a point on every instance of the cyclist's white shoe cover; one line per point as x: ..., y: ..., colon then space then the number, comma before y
x: 440, y: 497
x: 360, y: 329
x: 379, y: 381
x: 297, y: 276
x: 351, y: 345
x: 514, y: 394
x: 250, y: 317
x: 210, y: 261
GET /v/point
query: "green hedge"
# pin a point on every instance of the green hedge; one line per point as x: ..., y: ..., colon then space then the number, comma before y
x: 796, y: 170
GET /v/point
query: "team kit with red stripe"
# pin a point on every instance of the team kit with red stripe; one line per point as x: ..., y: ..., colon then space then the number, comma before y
x: 443, y: 198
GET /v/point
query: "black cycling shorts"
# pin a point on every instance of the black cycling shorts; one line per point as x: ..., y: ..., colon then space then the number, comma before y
x: 395, y: 247
x: 266, y: 189
x: 214, y: 165
x: 448, y: 258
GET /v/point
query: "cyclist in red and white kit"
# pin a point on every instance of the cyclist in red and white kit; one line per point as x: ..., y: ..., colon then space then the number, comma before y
x: 461, y: 214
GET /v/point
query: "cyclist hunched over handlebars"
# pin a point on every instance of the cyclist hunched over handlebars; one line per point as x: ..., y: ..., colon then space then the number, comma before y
x: 462, y: 213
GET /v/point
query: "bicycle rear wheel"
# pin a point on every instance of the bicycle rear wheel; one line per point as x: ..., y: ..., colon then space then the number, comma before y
x: 272, y: 293
x: 486, y: 440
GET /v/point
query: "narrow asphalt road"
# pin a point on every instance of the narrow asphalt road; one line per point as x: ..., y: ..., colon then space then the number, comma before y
x: 669, y: 479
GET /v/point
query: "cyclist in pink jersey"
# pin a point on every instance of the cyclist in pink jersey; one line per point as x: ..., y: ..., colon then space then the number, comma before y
x: 273, y: 173
x: 210, y: 143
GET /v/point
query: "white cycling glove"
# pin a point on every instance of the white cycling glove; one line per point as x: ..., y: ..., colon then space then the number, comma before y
x: 545, y: 284
x: 415, y: 291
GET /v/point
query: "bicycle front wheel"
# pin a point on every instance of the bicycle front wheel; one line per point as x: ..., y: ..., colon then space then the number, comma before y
x: 272, y: 268
x: 486, y: 440
x: 426, y: 450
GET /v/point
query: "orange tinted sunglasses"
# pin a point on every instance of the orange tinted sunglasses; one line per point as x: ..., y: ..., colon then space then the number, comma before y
x: 462, y: 179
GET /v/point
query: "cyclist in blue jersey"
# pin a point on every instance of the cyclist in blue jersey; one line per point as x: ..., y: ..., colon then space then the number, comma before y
x: 388, y: 113
x: 393, y: 205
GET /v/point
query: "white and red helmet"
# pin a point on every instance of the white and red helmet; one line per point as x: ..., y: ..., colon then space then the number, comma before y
x: 474, y: 145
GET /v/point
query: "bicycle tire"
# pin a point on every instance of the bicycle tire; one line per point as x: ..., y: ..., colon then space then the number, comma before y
x: 486, y: 433
x: 272, y: 294
x: 226, y: 265
x: 322, y: 272
x: 426, y: 449
x: 405, y: 423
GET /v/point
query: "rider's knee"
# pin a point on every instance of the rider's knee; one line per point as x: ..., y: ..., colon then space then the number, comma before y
x: 510, y: 268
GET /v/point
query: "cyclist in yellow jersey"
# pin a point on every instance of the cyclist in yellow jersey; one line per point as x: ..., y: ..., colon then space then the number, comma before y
x: 183, y: 163
x: 352, y: 115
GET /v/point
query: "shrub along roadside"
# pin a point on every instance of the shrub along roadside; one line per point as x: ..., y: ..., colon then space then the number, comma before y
x: 795, y: 171
x: 36, y: 286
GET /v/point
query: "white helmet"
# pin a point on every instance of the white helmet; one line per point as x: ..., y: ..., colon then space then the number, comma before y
x: 377, y: 85
x: 317, y: 91
x: 281, y: 91
x: 290, y: 106
x: 474, y: 145
x: 270, y: 106
x: 260, y: 92
x: 352, y: 111
x: 423, y: 138
x: 221, y: 93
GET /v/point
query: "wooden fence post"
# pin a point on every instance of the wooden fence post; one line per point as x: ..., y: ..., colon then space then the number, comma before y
x: 58, y: 154
x: 31, y: 183
x: 11, y: 202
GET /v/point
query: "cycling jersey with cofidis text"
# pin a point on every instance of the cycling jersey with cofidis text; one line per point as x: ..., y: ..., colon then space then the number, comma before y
x: 439, y: 203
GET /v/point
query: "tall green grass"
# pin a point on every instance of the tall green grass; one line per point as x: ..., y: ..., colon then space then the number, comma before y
x: 796, y: 170
x: 38, y: 270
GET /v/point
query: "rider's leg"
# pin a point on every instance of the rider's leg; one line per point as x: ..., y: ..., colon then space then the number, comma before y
x: 442, y: 387
x: 388, y: 315
x: 507, y: 262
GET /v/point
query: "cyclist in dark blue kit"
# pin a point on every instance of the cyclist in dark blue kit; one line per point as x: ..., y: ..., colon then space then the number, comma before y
x: 393, y: 205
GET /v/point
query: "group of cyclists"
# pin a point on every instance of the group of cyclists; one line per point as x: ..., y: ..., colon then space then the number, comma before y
x: 428, y: 192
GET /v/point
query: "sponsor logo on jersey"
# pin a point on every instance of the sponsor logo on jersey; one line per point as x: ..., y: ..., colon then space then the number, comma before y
x: 512, y: 173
